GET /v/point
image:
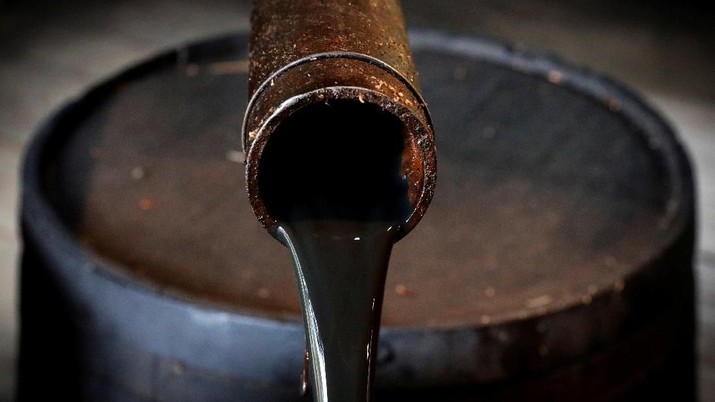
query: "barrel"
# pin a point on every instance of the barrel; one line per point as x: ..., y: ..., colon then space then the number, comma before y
x: 554, y: 264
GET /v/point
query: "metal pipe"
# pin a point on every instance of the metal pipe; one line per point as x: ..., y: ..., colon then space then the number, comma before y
x: 306, y: 52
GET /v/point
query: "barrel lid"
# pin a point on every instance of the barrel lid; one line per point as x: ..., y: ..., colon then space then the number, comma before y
x: 556, y: 188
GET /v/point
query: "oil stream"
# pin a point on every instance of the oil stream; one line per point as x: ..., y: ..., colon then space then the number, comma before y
x: 332, y: 177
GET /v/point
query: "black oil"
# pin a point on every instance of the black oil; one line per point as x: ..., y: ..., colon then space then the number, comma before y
x: 341, y: 282
x: 331, y: 175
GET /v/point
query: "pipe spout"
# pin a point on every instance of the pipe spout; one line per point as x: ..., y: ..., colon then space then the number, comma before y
x: 313, y: 57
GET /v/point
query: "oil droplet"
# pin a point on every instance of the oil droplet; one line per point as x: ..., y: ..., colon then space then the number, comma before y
x: 555, y: 76
x: 146, y: 204
x: 403, y: 290
x: 138, y: 173
x: 540, y: 301
x: 264, y: 293
x: 490, y: 292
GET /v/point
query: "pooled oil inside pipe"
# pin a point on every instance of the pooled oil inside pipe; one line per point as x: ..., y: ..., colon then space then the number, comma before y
x: 331, y: 175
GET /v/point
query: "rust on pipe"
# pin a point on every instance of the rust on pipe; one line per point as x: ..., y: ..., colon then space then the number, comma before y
x: 306, y: 52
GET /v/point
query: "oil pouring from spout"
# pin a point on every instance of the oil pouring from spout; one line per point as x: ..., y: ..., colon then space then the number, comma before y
x: 340, y: 164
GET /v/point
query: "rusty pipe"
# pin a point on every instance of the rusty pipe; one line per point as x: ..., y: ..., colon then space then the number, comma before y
x: 306, y: 52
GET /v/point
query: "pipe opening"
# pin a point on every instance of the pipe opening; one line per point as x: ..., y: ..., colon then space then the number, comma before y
x: 336, y: 160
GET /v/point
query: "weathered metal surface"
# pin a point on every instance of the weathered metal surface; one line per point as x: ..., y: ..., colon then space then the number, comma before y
x: 555, y: 262
x: 309, y: 51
